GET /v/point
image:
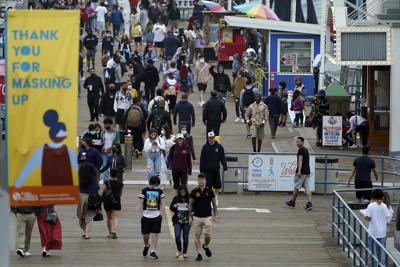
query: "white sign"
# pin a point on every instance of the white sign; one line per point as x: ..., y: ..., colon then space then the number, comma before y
x: 332, y: 131
x: 275, y: 172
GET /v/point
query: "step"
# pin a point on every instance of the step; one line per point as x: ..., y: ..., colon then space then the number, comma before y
x: 388, y: 16
x: 393, y: 11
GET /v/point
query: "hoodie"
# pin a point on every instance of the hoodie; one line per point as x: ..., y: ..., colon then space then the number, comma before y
x: 222, y: 83
x: 180, y: 158
x: 211, y: 157
x: 185, y: 110
x: 214, y: 111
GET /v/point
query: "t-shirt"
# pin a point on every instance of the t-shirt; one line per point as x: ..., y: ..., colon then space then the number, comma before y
x: 202, y: 202
x: 380, y: 216
x: 305, y: 167
x: 108, y: 140
x: 101, y: 11
x: 364, y: 165
x: 356, y: 120
x: 116, y: 187
x: 152, y: 202
x: 159, y: 31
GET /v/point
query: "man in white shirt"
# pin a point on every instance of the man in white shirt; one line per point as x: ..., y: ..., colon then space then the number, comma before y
x: 159, y: 31
x: 101, y: 11
x: 378, y: 215
x: 358, y: 125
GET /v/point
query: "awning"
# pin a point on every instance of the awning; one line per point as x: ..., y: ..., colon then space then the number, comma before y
x: 262, y: 24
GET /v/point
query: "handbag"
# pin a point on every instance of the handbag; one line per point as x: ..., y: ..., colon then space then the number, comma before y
x: 51, y: 215
x: 99, y: 216
x: 108, y: 196
x: 94, y: 201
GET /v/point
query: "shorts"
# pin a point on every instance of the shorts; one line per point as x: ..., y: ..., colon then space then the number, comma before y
x: 151, y: 225
x: 137, y: 39
x: 199, y: 224
x: 257, y: 132
x: 100, y: 25
x: 91, y: 53
x: 159, y: 44
x: 213, y: 179
x: 302, y: 181
x: 202, y: 86
x: 360, y: 185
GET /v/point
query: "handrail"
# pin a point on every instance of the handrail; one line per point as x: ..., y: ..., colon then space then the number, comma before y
x: 360, y: 13
x: 339, y: 210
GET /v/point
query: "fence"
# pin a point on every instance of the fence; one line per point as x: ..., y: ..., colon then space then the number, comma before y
x: 352, y: 235
x: 388, y: 169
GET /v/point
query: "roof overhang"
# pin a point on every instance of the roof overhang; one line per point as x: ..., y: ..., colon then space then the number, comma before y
x: 262, y: 24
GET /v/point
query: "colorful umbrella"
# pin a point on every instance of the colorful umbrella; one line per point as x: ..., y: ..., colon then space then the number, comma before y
x: 213, y: 6
x: 250, y: 4
x: 258, y: 11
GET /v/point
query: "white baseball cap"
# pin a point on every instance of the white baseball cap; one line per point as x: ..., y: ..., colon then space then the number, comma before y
x: 211, y: 134
x: 180, y: 136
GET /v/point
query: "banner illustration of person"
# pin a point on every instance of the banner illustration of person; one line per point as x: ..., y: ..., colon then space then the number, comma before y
x: 55, y: 158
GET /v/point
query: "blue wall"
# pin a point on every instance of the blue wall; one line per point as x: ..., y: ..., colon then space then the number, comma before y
x: 308, y: 78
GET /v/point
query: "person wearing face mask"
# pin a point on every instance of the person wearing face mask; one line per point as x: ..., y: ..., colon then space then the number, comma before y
x: 222, y: 83
x: 94, y: 85
x: 94, y: 135
x: 202, y: 74
x: 181, y: 162
x: 116, y: 161
x: 109, y: 136
x: 107, y: 44
x: 169, y: 139
x: 189, y: 141
x: 171, y: 89
x: 88, y: 154
x: 122, y: 102
x: 107, y: 103
x: 154, y: 146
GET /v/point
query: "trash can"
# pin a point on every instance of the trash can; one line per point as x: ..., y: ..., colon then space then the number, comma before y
x: 231, y: 180
x: 332, y: 163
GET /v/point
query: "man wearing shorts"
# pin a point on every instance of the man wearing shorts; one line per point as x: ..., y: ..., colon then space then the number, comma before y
x: 151, y: 208
x: 362, y: 167
x: 202, y: 214
x: 160, y: 32
x: 202, y: 74
x: 101, y: 11
x: 211, y: 158
x: 256, y: 117
x: 302, y: 178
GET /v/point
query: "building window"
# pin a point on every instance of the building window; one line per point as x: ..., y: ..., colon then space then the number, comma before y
x: 295, y: 56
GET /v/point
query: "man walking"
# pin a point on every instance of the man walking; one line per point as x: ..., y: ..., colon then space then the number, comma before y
x: 362, y: 167
x: 151, y: 208
x: 158, y: 118
x: 185, y: 112
x: 90, y: 43
x: 274, y: 104
x: 211, y: 158
x: 94, y: 85
x: 256, y: 117
x: 214, y: 113
x: 302, y: 178
x: 202, y: 213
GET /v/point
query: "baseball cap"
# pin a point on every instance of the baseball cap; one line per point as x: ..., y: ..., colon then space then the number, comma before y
x: 179, y: 136
x: 211, y: 134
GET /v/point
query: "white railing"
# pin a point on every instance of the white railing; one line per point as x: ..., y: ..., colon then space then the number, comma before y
x: 365, y: 14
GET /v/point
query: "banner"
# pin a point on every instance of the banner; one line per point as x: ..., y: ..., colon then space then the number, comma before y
x: 42, y: 87
x: 275, y: 172
x: 332, y: 131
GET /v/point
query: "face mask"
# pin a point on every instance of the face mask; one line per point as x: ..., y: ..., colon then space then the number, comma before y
x: 184, y: 132
x: 92, y: 132
x: 202, y: 60
x: 163, y: 132
x: 114, y: 150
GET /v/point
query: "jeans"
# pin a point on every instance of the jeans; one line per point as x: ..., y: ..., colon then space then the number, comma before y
x: 237, y: 104
x: 106, y: 174
x: 116, y: 30
x: 221, y: 97
x: 154, y: 163
x: 273, y: 123
x: 377, y: 251
x: 182, y: 229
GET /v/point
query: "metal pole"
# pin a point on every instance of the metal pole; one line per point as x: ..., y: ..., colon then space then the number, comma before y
x: 128, y: 151
x: 382, y: 171
x: 325, y: 172
x: 323, y: 41
x: 4, y: 208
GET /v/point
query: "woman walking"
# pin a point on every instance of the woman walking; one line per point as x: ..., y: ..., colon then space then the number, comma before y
x: 50, y: 230
x: 88, y: 185
x: 180, y: 207
x: 116, y: 161
x: 113, y: 205
x: 154, y: 146
x: 169, y: 139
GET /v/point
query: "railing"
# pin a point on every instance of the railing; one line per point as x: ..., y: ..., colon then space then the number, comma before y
x: 388, y: 169
x: 353, y: 236
x: 364, y: 12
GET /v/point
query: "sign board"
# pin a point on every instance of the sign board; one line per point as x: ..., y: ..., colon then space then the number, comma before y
x: 42, y: 52
x: 332, y: 131
x: 213, y: 34
x: 289, y: 59
x: 275, y: 172
x: 227, y: 35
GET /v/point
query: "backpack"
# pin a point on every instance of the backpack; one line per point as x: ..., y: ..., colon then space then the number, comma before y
x: 134, y: 118
x: 157, y: 120
x: 248, y: 97
x: 108, y: 196
x: 155, y: 105
x: 94, y: 201
x: 111, y: 73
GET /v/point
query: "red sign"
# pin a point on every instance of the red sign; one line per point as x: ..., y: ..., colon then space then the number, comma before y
x: 2, y: 89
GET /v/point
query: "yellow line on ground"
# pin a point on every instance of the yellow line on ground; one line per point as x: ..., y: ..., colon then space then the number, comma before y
x: 170, y: 224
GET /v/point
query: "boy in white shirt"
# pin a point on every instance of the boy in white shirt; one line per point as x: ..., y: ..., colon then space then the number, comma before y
x: 378, y: 216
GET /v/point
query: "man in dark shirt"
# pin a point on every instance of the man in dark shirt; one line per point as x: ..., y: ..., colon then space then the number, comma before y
x: 95, y: 88
x: 362, y: 167
x: 214, y: 114
x: 90, y: 43
x: 302, y: 178
x: 274, y: 104
x: 202, y: 214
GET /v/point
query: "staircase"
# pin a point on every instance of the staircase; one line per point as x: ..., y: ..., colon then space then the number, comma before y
x: 392, y: 14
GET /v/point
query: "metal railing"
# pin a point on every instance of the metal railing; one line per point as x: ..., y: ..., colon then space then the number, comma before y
x: 366, y: 11
x: 353, y: 237
x: 388, y: 169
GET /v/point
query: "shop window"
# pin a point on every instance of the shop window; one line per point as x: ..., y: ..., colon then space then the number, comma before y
x: 295, y: 56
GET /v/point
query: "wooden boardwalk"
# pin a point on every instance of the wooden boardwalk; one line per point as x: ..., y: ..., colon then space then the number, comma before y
x: 281, y: 237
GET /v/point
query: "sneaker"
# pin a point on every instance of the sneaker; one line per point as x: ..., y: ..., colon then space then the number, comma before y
x: 242, y: 120
x: 153, y: 255
x: 353, y: 146
x: 27, y: 254
x: 199, y: 257
x: 207, y: 250
x: 309, y: 206
x: 200, y: 104
x: 145, y: 251
x: 291, y: 204
x: 178, y: 254
x: 136, y: 153
x: 114, y: 235
x: 45, y: 253
x: 184, y: 256
x: 237, y: 120
x: 20, y: 253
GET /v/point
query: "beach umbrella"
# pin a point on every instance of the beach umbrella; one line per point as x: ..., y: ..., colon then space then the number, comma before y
x: 245, y: 5
x: 211, y: 6
x: 259, y: 11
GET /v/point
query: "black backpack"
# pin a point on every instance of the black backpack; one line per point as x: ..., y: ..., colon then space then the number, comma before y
x: 94, y: 201
x: 111, y: 73
x: 248, y: 97
x: 108, y: 196
x: 158, y: 119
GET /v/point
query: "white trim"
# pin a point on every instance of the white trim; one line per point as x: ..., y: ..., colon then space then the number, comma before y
x: 297, y: 41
